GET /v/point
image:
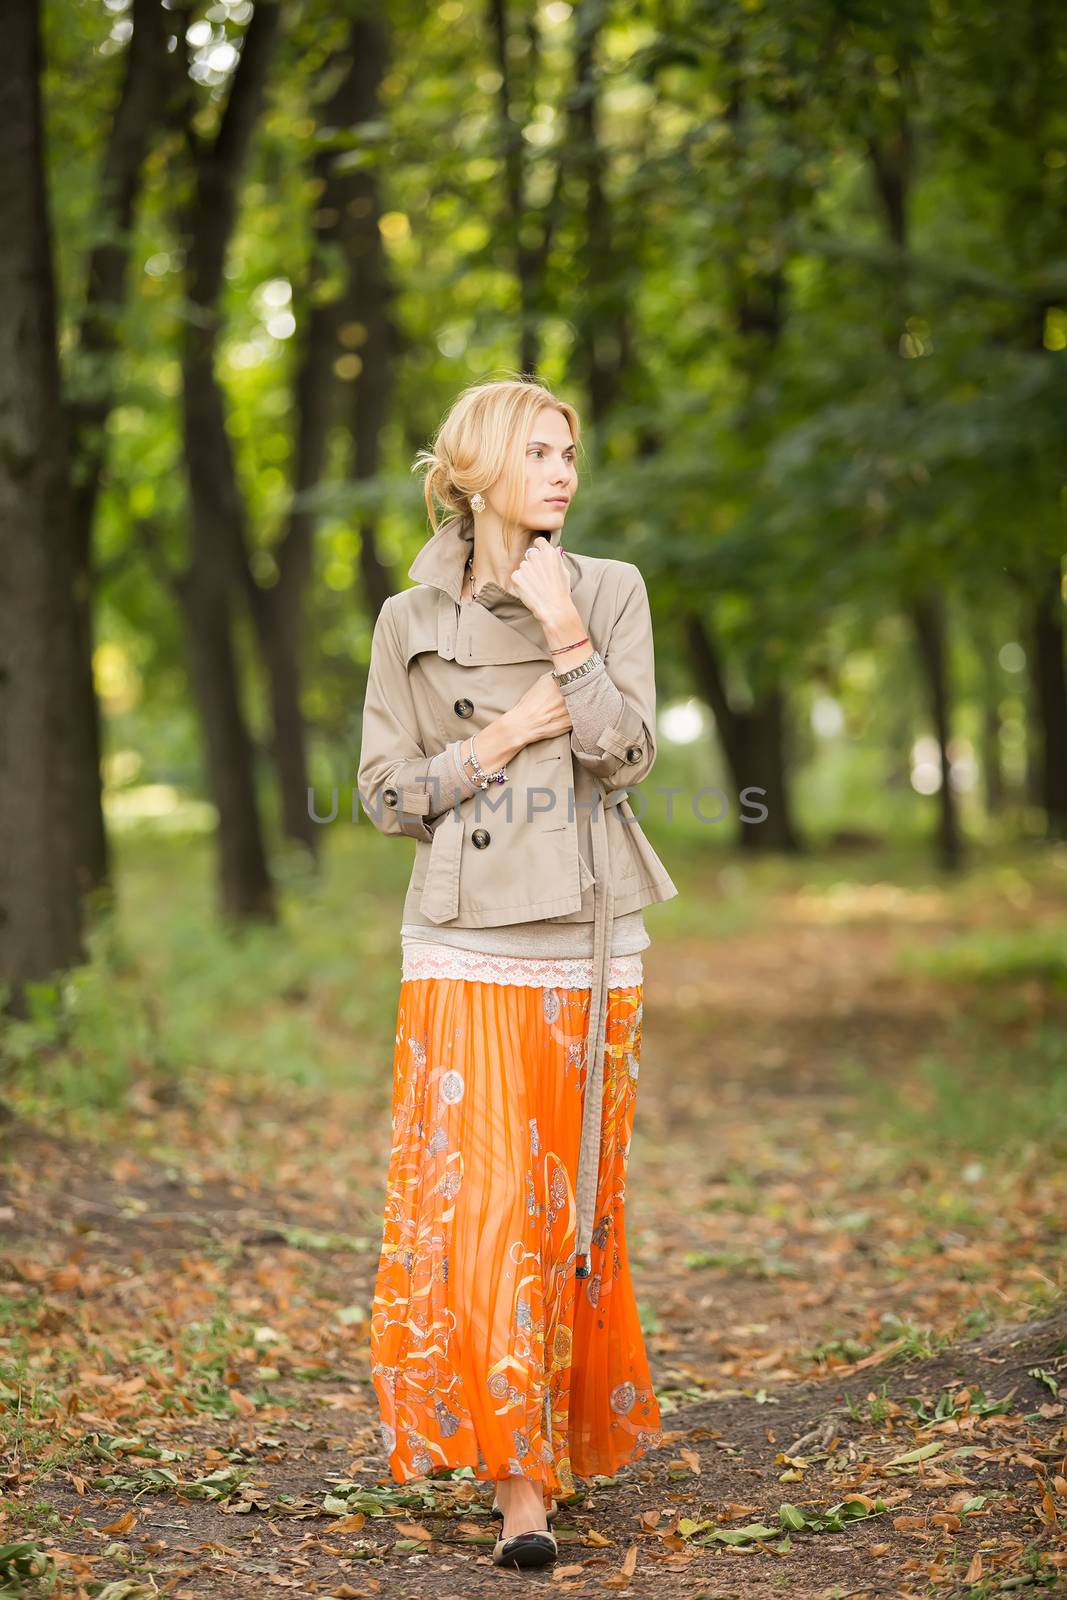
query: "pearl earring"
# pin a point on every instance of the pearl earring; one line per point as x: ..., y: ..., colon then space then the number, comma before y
x: 477, y: 503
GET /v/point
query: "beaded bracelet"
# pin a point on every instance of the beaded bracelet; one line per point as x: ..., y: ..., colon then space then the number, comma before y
x: 478, y: 773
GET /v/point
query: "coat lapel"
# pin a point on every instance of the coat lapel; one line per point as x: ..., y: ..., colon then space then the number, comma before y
x: 484, y: 638
x: 474, y: 634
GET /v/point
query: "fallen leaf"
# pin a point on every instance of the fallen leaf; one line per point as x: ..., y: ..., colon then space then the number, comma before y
x: 349, y: 1524
x: 413, y: 1530
x: 123, y: 1525
x: 923, y: 1453
x: 620, y: 1579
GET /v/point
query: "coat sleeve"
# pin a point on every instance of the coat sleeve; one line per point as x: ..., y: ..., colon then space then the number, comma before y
x: 402, y: 789
x: 623, y: 750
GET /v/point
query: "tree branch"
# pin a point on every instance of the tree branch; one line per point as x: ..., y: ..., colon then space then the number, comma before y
x: 136, y: 117
x: 219, y: 168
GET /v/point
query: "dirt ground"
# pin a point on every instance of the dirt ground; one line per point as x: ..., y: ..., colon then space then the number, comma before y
x: 806, y: 1302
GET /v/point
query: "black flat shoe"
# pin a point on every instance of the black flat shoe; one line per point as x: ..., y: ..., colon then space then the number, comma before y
x: 526, y: 1550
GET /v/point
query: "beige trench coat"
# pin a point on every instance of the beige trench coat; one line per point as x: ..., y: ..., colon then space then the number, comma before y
x: 559, y: 839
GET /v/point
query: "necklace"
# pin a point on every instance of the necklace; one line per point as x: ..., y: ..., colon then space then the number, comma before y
x: 469, y: 570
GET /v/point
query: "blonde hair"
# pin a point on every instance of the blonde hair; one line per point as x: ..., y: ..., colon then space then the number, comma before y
x: 479, y: 441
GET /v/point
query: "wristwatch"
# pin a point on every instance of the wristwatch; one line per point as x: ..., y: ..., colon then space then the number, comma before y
x: 595, y: 660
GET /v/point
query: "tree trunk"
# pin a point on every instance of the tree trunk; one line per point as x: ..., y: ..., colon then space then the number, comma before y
x: 208, y: 592
x: 521, y: 221
x: 367, y: 303
x: 992, y: 764
x: 513, y: 207
x: 244, y: 885
x: 753, y: 746
x: 603, y: 333
x: 994, y: 782
x: 763, y: 768
x: 753, y: 738
x: 891, y: 154
x: 40, y: 895
x: 1050, y: 701
x: 929, y: 620
x: 91, y: 390
x: 218, y: 558
x: 346, y: 222
x: 278, y: 611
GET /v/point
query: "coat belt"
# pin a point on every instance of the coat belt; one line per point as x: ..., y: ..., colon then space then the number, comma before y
x: 587, y: 1181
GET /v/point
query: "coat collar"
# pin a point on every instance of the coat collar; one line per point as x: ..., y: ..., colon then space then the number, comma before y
x: 442, y: 558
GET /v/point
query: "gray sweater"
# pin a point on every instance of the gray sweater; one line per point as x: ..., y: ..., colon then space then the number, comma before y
x: 594, y: 703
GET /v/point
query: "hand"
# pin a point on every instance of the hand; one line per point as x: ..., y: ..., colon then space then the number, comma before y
x: 541, y: 712
x: 540, y: 580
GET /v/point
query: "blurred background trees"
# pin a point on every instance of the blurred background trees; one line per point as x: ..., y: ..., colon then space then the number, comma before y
x: 801, y: 269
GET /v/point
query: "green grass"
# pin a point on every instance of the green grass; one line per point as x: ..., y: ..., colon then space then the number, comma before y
x: 29, y: 1411
x: 991, y: 1099
x: 170, y: 999
x: 998, y: 958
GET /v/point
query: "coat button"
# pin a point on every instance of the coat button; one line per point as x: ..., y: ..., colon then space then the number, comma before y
x: 389, y: 796
x: 633, y: 752
x: 480, y: 838
x: 463, y: 708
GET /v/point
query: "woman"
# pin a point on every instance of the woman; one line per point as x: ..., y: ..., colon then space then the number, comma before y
x: 510, y: 700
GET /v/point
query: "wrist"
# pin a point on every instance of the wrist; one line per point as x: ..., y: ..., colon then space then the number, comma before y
x: 510, y: 734
x: 563, y: 627
x: 497, y: 742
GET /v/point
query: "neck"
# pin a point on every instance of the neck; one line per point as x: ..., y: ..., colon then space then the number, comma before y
x: 490, y: 561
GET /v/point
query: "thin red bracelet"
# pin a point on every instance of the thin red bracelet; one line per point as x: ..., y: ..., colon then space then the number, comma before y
x: 559, y: 648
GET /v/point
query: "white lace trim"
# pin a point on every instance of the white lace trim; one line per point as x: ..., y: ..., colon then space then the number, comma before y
x: 423, y: 959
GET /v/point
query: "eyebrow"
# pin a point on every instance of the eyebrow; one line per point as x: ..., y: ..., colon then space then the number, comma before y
x: 544, y: 446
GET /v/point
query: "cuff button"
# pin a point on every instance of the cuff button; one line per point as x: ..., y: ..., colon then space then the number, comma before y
x: 633, y: 752
x: 389, y: 796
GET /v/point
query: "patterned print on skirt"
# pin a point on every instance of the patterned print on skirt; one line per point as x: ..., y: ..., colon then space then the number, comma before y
x: 486, y: 1351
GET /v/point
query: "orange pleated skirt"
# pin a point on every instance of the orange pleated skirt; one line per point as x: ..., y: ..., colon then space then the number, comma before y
x: 486, y: 1351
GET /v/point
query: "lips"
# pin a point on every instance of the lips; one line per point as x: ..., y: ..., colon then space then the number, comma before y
x: 559, y: 500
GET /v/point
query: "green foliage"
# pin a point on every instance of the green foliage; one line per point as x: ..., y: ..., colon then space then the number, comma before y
x: 820, y: 414
x: 24, y: 1563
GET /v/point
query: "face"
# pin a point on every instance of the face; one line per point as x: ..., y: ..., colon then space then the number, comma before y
x: 551, y: 472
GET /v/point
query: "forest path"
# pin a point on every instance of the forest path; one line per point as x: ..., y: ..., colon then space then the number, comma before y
x: 848, y: 1312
